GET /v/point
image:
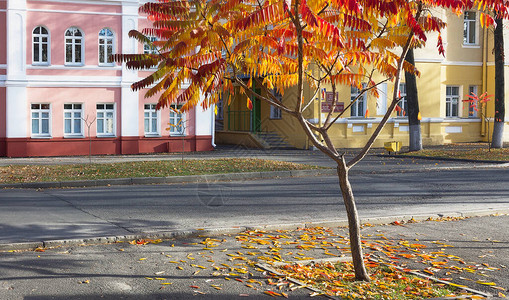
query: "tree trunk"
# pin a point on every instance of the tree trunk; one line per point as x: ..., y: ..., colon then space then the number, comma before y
x: 415, y: 141
x: 498, y: 128
x: 353, y: 223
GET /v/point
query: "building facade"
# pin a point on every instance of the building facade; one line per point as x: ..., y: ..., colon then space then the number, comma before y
x: 445, y: 81
x: 60, y: 94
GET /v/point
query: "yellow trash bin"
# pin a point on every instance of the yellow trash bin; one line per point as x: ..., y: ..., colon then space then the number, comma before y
x: 392, y: 146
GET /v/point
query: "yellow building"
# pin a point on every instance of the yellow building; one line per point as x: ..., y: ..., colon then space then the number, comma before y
x: 468, y: 66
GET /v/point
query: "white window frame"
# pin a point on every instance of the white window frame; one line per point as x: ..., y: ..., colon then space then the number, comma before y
x: 150, y: 50
x: 104, y: 109
x: 175, y: 118
x: 472, y: 113
x: 151, y: 110
x: 450, y: 100
x: 403, y: 103
x: 106, y: 38
x: 467, y: 23
x: 40, y: 110
x: 73, y: 44
x: 354, y: 109
x: 73, y: 110
x: 275, y: 112
x: 40, y: 36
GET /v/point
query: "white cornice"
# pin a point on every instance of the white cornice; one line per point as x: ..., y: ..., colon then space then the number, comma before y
x: 62, y: 67
x: 74, y: 12
x: 400, y: 120
x: 73, y: 81
x: 93, y: 2
x: 462, y: 63
x: 429, y: 60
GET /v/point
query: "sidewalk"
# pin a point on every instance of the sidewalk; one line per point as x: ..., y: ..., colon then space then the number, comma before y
x: 220, y: 266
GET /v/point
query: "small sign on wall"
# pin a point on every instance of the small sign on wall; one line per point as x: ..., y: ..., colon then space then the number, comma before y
x: 329, y: 100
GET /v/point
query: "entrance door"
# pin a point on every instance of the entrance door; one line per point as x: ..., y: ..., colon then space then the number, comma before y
x: 256, y: 114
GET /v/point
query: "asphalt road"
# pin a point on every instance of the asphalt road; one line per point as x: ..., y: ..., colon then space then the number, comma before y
x: 35, y: 215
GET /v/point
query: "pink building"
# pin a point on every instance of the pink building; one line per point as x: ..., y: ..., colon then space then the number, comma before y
x: 58, y: 88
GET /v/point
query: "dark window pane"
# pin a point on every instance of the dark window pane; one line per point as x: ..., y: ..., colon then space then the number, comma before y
x: 37, y: 30
x: 45, y: 106
x: 36, y: 52
x: 43, y: 30
x: 44, y: 53
x: 68, y: 53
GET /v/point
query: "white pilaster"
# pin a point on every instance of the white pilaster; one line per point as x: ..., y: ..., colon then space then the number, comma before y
x: 129, y: 112
x: 16, y: 94
x: 204, y: 118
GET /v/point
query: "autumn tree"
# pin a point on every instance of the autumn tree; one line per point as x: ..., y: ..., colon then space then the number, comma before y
x: 206, y: 47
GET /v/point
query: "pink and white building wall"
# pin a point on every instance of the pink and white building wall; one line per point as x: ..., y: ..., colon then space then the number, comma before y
x: 58, y: 89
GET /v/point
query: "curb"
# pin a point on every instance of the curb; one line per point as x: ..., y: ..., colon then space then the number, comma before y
x: 210, y: 232
x: 445, y: 159
x: 170, y: 179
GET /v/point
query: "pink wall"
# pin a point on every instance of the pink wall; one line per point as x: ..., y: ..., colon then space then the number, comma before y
x: 3, y: 35
x: 165, y: 116
x: 89, y: 97
x: 57, y: 23
x: 2, y: 112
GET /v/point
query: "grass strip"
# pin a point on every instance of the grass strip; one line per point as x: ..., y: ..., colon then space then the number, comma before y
x: 386, y: 282
x: 42, y: 173
x: 474, y: 154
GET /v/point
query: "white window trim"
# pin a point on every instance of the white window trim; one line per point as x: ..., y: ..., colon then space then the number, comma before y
x: 41, y: 63
x: 405, y: 106
x: 113, y: 46
x: 275, y: 112
x: 74, y: 135
x: 475, y: 91
x: 151, y: 50
x: 459, y: 102
x: 105, y: 110
x: 75, y: 64
x: 476, y: 36
x: 183, y: 123
x: 41, y: 135
x: 158, y: 131
x: 362, y: 99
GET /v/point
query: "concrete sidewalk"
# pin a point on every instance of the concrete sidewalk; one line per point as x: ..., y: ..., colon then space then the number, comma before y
x: 466, y: 252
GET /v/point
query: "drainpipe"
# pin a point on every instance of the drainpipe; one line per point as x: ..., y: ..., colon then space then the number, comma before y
x: 484, y: 76
x: 213, y: 110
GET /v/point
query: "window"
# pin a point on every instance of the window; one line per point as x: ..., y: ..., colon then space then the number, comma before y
x: 472, y: 113
x: 73, y: 120
x: 403, y: 104
x: 40, y: 120
x: 147, y: 49
x: 151, y: 120
x: 105, y: 119
x: 106, y: 38
x: 73, y: 46
x: 358, y: 109
x: 177, y: 121
x: 275, y: 112
x: 451, y: 101
x: 469, y: 28
x: 40, y: 51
